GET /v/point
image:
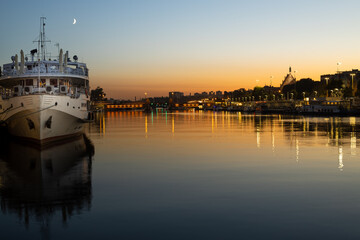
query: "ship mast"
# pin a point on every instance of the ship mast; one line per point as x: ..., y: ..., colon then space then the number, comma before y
x: 42, y: 40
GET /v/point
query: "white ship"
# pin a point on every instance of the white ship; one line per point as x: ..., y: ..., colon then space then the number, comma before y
x: 44, y: 98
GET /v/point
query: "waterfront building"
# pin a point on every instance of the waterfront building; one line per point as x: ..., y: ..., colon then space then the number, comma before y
x: 176, y: 95
x: 342, y: 80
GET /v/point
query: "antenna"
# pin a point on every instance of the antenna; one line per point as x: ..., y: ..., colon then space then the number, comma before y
x: 42, y: 40
x: 58, y: 47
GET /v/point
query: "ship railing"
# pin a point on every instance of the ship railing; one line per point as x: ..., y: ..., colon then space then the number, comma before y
x: 35, y: 71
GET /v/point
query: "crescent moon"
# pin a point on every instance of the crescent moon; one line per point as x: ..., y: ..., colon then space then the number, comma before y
x: 74, y: 21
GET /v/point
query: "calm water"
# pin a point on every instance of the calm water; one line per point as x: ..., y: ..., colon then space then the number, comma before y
x: 187, y: 175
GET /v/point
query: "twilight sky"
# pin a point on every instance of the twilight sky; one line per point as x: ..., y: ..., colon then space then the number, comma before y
x: 157, y: 46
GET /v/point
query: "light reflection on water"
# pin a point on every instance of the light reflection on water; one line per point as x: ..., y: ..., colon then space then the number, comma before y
x: 219, y: 175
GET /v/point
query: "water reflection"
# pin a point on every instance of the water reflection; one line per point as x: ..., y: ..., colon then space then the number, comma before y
x: 296, y: 131
x: 341, y: 164
x: 37, y: 184
x: 338, y: 131
x: 221, y: 174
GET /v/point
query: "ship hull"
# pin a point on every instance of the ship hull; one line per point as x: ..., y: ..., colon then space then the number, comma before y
x: 45, y: 118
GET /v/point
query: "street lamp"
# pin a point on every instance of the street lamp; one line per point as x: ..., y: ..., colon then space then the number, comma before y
x: 292, y: 96
x: 327, y: 82
x: 352, y: 83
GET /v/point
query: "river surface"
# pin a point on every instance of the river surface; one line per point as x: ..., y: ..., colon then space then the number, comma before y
x: 187, y: 175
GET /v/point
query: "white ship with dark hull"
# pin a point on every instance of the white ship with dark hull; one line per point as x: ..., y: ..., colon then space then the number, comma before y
x: 44, y: 98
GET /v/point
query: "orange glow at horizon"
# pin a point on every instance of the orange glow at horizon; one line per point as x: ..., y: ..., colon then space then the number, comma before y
x: 158, y: 81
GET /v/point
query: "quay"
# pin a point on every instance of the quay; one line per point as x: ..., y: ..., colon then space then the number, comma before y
x: 319, y: 106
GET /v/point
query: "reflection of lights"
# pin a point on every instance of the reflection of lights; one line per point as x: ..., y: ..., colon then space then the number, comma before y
x: 258, y: 137
x: 297, y: 151
x: 273, y: 141
x: 341, y: 164
x: 352, y: 121
x: 102, y: 124
x: 337, y: 136
x: 353, y: 143
x: 223, y: 119
x: 212, y: 123
x: 146, y: 126
x: 215, y: 116
x: 229, y: 119
x: 173, y: 124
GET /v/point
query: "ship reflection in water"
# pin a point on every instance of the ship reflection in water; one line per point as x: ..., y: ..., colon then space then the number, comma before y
x: 37, y: 184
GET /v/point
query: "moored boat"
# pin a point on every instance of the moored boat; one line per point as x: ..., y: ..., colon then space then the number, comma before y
x: 44, y: 98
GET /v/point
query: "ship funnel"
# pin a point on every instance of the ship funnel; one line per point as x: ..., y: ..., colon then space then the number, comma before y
x: 22, y: 62
x: 61, y: 67
x: 16, y: 63
x: 66, y: 59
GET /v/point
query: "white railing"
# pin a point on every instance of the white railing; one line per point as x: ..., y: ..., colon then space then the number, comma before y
x: 10, y: 70
x: 35, y: 72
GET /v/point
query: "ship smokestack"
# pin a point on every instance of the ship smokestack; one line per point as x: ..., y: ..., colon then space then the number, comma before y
x: 66, y: 59
x: 22, y: 62
x: 61, y: 67
x: 16, y: 63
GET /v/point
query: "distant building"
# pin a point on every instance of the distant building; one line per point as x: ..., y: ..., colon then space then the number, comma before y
x: 176, y: 95
x: 289, y: 80
x: 345, y: 79
x: 271, y: 89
